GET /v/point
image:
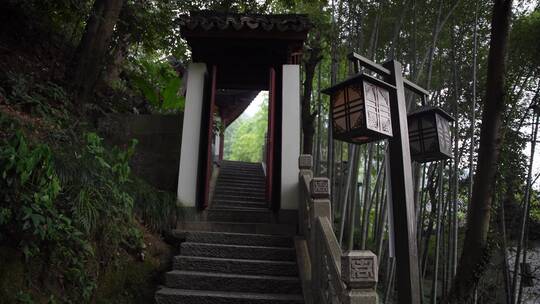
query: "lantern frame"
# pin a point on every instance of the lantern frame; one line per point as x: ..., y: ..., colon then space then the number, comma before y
x: 429, y: 134
x: 355, y: 118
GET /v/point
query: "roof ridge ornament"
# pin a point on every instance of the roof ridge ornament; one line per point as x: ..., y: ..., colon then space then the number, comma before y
x: 209, y: 20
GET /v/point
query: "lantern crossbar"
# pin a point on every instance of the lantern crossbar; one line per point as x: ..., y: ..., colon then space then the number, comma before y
x: 377, y: 68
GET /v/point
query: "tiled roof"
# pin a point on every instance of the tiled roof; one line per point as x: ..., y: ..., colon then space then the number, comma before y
x: 209, y: 20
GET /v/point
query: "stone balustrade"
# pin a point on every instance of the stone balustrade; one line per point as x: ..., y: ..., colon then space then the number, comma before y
x: 336, y: 276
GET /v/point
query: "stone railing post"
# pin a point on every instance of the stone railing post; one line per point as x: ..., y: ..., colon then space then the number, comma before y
x: 319, y: 188
x: 305, y: 163
x: 359, y: 272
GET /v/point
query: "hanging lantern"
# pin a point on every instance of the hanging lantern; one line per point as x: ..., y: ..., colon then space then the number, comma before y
x: 360, y: 108
x: 429, y: 134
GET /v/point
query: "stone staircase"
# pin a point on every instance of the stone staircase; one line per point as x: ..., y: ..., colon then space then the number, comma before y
x: 240, y: 254
x: 240, y: 194
x: 240, y: 185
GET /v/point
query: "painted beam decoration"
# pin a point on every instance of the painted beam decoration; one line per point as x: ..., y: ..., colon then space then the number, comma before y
x: 429, y: 134
x: 360, y: 109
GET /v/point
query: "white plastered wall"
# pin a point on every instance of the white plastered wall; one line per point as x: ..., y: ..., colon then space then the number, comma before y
x: 290, y: 138
x: 189, y: 157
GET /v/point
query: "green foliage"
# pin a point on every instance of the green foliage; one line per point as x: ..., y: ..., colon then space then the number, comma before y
x: 525, y: 42
x: 33, y: 219
x: 66, y: 208
x: 64, y: 17
x: 158, y: 82
x: 157, y: 209
x: 46, y: 99
x: 96, y: 182
x: 151, y: 26
x: 245, y: 137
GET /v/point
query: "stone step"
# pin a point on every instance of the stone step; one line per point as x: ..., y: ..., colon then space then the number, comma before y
x: 239, y: 164
x: 242, y: 170
x: 232, y: 282
x: 238, y: 203
x: 246, y: 206
x: 242, y: 179
x: 238, y: 252
x: 235, y: 227
x: 240, y: 190
x: 174, y: 296
x: 220, y: 193
x: 238, y: 239
x: 257, y: 170
x: 239, y: 214
x: 227, y: 168
x: 241, y: 185
x: 250, y: 267
x: 239, y: 172
x: 236, y: 173
x: 241, y: 207
x: 242, y: 198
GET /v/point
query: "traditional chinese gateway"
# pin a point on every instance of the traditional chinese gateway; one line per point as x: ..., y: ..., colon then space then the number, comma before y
x: 254, y: 232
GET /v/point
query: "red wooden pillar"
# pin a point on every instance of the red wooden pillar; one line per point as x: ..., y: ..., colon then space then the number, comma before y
x: 221, y: 143
x: 209, y: 164
x: 271, y: 135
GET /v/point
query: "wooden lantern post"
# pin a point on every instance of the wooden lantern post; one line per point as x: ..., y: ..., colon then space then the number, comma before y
x: 401, y: 179
x: 366, y: 109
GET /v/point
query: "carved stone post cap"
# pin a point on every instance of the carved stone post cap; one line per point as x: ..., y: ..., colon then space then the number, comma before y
x: 305, y: 161
x: 359, y: 269
x: 319, y: 187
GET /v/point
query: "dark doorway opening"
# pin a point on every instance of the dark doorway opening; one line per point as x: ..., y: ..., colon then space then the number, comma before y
x: 240, y: 144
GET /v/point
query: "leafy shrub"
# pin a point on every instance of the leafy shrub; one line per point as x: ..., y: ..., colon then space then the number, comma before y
x: 47, y: 99
x: 157, y: 209
x: 72, y: 210
x: 32, y: 218
x: 96, y: 182
x: 158, y: 82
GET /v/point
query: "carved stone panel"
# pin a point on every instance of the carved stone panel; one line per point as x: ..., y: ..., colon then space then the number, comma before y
x: 320, y: 187
x: 305, y: 162
x: 359, y: 269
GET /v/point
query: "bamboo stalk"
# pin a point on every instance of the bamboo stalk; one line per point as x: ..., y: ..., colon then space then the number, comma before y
x: 437, y: 236
x: 525, y: 213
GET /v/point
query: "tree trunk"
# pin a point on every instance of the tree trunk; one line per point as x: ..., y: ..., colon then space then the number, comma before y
x: 89, y: 57
x: 318, y: 139
x: 308, y: 118
x: 473, y: 259
x: 473, y: 106
x: 114, y: 66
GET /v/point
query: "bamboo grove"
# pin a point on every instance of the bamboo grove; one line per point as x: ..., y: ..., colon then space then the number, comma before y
x: 443, y: 46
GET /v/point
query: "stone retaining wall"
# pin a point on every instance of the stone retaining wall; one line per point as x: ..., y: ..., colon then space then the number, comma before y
x: 159, y: 137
